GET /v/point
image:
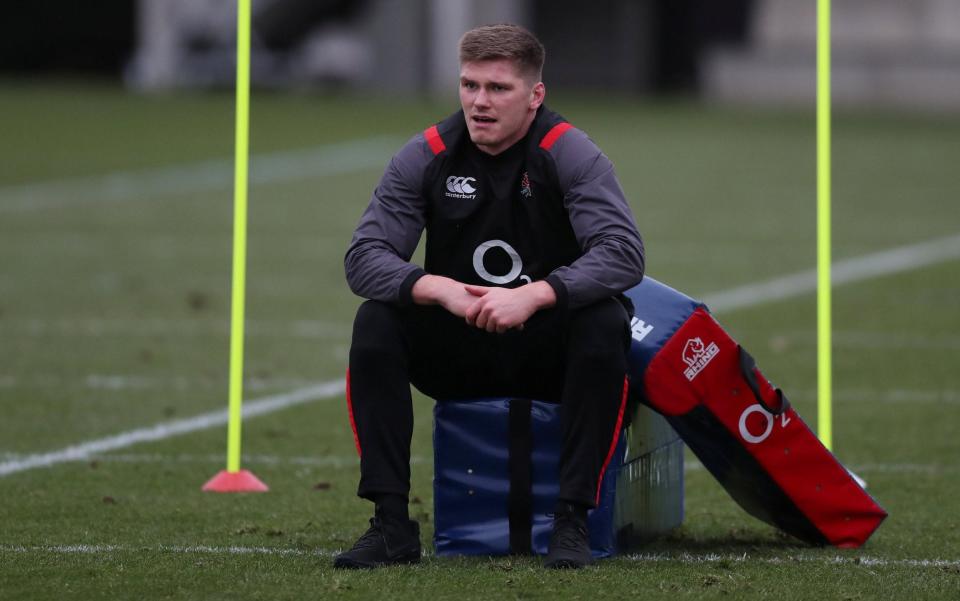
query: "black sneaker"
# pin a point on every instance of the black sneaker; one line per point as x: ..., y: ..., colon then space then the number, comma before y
x: 569, y: 543
x: 383, y: 545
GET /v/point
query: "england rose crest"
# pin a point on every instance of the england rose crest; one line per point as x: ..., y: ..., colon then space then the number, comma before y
x: 525, y: 190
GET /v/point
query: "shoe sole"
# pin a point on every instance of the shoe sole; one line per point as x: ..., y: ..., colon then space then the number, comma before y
x: 566, y: 564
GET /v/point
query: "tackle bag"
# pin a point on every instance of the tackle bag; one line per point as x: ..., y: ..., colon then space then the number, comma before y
x: 686, y: 367
x: 649, y: 497
x: 496, y: 469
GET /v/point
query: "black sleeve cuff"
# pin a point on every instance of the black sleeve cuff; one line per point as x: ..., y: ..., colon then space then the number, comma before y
x: 560, y: 289
x: 405, y: 295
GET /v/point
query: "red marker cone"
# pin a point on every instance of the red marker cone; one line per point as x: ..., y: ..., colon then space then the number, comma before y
x: 242, y: 481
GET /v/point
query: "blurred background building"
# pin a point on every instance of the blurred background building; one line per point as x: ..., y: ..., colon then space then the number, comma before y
x: 887, y: 52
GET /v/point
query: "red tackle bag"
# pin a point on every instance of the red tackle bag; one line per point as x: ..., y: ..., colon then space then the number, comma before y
x: 740, y: 426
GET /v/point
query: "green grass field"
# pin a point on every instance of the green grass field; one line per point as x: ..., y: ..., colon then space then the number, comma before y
x: 115, y: 238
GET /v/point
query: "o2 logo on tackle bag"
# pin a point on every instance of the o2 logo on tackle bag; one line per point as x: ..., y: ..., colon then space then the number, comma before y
x: 748, y: 424
x: 697, y: 355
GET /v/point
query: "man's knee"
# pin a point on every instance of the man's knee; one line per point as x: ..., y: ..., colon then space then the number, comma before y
x: 600, y: 328
x: 377, y: 329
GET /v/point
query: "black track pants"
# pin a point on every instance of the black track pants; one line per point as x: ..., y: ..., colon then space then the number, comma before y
x: 577, y: 358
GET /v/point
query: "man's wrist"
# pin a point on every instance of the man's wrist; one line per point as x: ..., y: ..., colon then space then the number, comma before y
x: 543, y: 294
x: 405, y: 294
x: 559, y: 291
x: 429, y: 289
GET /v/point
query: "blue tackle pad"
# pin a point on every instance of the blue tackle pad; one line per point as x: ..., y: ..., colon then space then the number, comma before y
x: 496, y: 472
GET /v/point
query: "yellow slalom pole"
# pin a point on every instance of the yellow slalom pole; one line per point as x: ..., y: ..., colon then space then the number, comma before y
x: 824, y: 344
x: 233, y: 479
x: 239, y: 234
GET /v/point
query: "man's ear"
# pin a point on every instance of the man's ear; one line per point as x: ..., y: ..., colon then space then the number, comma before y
x: 537, y: 94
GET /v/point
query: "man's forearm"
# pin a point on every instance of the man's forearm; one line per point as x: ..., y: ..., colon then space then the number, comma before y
x: 541, y: 294
x: 606, y: 270
x: 374, y: 271
x: 432, y: 289
x: 438, y: 290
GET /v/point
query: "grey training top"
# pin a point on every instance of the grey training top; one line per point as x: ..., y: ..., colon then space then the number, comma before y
x: 378, y: 263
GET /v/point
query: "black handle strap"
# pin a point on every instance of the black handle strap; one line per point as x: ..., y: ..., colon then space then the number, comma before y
x: 751, y: 373
x: 520, y: 503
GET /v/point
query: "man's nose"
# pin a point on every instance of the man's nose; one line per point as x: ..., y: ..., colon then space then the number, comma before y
x: 481, y: 98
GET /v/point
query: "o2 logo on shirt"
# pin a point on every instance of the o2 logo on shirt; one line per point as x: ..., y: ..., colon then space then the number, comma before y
x: 516, y: 263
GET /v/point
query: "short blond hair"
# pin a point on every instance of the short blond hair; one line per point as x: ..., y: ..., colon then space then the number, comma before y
x: 504, y: 40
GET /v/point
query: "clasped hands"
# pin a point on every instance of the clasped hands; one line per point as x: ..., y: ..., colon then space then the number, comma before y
x: 492, y: 309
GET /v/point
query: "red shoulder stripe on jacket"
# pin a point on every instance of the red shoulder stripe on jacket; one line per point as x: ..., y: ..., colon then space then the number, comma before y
x: 434, y: 139
x: 554, y: 134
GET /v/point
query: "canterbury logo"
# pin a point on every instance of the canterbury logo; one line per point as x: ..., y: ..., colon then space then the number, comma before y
x: 460, y: 187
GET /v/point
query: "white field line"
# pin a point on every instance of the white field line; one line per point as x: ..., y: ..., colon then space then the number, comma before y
x: 128, y: 382
x: 688, y: 558
x: 304, y: 328
x: 312, y: 329
x: 169, y: 429
x: 878, y: 264
x: 891, y: 396
x: 852, y: 270
x: 867, y: 340
x: 340, y: 461
x: 683, y: 558
x: 203, y: 176
x: 124, y: 382
x: 883, y: 263
x: 173, y: 549
x: 332, y: 461
x: 871, y: 468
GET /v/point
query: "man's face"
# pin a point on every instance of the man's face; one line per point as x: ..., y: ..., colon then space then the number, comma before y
x: 498, y: 103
